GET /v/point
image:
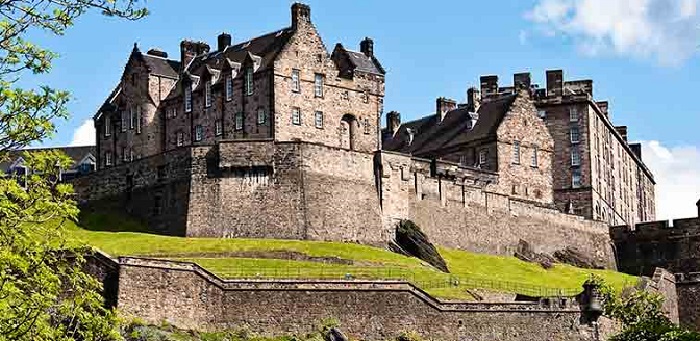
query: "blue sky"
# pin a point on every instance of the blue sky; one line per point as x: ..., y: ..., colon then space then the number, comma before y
x: 641, y: 54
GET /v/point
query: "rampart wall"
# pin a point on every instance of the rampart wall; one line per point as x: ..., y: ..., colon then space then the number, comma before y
x: 457, y: 207
x: 189, y: 297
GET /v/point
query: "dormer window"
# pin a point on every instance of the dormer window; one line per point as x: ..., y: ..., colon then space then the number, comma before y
x: 249, y: 81
x: 188, y: 97
x: 207, y: 94
x: 229, y: 88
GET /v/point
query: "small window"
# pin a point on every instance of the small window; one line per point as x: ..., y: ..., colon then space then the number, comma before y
x: 125, y: 155
x: 229, y: 88
x: 538, y: 194
x: 124, y: 120
x: 365, y: 96
x: 576, y: 178
x: 575, y: 157
x: 516, y: 152
x: 296, y: 116
x: 108, y: 126
x: 483, y: 157
x: 575, y: 134
x: 368, y: 127
x: 108, y: 159
x: 188, y: 97
x: 318, y: 85
x: 319, y: 119
x: 296, y: 86
x: 533, y: 161
x: 180, y: 139
x: 133, y: 79
x: 131, y: 154
x: 262, y: 117
x: 219, y: 127
x: 198, y: 133
x: 573, y: 114
x: 249, y: 81
x: 542, y: 114
x: 138, y: 119
x: 207, y: 94
x: 239, y: 121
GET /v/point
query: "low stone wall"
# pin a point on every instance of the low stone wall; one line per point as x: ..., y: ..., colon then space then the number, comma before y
x: 688, y: 288
x: 189, y: 297
x: 664, y: 283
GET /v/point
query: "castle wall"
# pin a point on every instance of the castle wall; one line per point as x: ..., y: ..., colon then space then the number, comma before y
x: 191, y: 298
x: 689, y: 301
x: 459, y: 209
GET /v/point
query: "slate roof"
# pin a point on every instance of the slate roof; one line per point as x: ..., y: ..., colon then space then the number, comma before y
x: 75, y: 153
x: 364, y: 63
x: 432, y: 136
x: 162, y: 66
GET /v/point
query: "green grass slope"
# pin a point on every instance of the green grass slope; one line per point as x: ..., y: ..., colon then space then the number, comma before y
x: 258, y: 258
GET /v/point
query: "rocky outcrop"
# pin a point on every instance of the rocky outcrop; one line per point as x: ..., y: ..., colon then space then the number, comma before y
x: 412, y: 241
x: 575, y: 257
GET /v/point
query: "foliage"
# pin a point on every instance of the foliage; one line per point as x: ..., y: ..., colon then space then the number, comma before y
x: 44, y: 294
x: 641, y: 315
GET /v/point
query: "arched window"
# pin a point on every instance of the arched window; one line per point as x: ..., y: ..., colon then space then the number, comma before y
x: 348, y: 131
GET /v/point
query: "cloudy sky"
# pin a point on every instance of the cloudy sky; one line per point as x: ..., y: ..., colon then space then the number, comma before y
x: 641, y: 54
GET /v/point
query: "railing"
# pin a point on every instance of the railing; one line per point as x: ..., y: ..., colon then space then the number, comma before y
x: 427, y: 280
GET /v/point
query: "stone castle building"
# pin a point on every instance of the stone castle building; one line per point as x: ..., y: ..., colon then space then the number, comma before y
x: 275, y: 137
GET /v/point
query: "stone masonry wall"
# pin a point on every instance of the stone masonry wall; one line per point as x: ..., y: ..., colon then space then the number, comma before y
x: 464, y: 213
x: 191, y: 298
x: 689, y: 300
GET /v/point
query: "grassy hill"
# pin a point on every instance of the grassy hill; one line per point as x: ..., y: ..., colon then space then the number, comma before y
x: 257, y: 258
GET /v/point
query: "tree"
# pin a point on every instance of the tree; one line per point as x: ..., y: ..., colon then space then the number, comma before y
x: 44, y: 294
x: 641, y: 316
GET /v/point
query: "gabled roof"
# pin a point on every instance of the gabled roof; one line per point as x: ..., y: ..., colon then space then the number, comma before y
x: 357, y: 61
x: 77, y: 154
x: 431, y: 136
x: 162, y: 66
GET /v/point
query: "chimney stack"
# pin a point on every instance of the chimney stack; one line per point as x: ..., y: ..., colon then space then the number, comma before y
x: 393, y: 121
x: 603, y: 106
x: 522, y: 81
x: 157, y: 52
x: 555, y: 83
x: 443, y: 106
x: 224, y: 41
x: 367, y: 47
x: 622, y: 130
x: 489, y: 86
x: 189, y: 50
x: 473, y: 99
x: 301, y: 14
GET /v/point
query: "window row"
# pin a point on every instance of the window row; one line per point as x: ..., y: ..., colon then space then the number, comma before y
x: 129, y: 120
x: 516, y: 154
x: 319, y: 81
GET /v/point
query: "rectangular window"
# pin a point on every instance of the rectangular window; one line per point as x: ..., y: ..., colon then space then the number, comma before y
x: 318, y: 85
x: 296, y: 116
x: 219, y: 127
x: 262, y: 118
x: 319, y: 119
x: 108, y: 159
x: 295, y: 81
x: 575, y: 135
x: 575, y: 157
x: 131, y: 154
x: 108, y: 126
x: 132, y: 117
x: 198, y: 133
x: 188, y: 98
x: 576, y: 178
x: 573, y: 114
x: 124, y: 119
x: 516, y: 152
x: 239, y: 121
x: 180, y: 139
x: 229, y: 88
x: 483, y: 157
x: 533, y: 161
x: 207, y: 94
x: 125, y: 155
x: 249, y: 81
x: 138, y: 119
x: 368, y: 127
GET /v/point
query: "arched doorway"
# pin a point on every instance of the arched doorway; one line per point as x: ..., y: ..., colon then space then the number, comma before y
x: 348, y: 131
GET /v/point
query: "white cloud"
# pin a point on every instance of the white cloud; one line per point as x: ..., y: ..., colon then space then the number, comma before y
x: 84, y: 135
x: 665, y: 30
x: 522, y: 37
x: 676, y: 173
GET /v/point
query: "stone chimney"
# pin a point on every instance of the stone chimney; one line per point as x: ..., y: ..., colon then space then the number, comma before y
x: 522, y: 81
x: 622, y: 130
x: 443, y: 106
x: 603, y: 106
x: 697, y: 204
x: 157, y: 52
x: 473, y: 99
x: 367, y: 47
x: 224, y: 41
x: 301, y: 14
x: 555, y: 83
x: 489, y: 86
x: 393, y: 121
x: 189, y: 50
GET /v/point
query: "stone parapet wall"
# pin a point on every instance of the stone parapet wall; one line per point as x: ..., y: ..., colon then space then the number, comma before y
x: 189, y: 297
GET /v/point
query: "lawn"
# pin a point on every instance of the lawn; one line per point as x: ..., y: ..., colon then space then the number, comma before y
x: 257, y: 258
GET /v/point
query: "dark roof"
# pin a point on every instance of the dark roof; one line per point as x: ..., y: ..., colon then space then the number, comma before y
x: 161, y: 66
x: 364, y: 63
x: 432, y: 136
x: 75, y: 153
